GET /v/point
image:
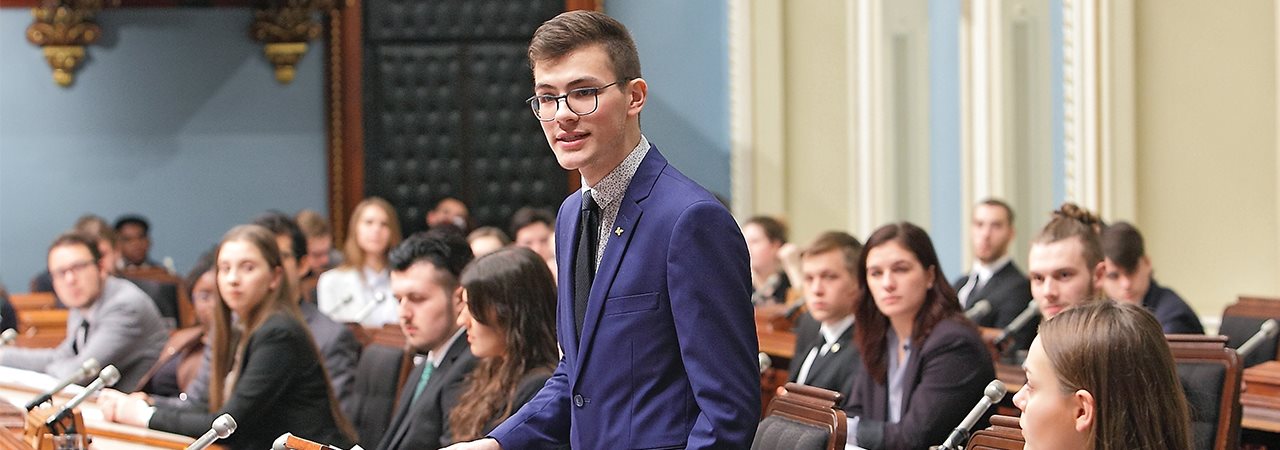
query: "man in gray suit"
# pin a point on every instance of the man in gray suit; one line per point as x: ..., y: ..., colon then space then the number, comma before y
x: 110, y: 320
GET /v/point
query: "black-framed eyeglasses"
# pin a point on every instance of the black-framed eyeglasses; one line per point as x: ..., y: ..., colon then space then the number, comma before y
x: 581, y: 101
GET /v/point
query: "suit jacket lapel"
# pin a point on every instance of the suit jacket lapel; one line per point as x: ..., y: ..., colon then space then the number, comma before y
x: 433, y: 387
x: 913, y: 372
x: 629, y: 213
x: 400, y: 422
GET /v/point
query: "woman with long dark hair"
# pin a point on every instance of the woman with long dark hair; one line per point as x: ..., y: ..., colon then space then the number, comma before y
x: 925, y: 362
x: 265, y: 369
x: 510, y: 319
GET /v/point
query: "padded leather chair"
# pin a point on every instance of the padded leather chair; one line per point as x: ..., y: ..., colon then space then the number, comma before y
x: 1211, y: 374
x: 1003, y: 434
x: 1241, y: 320
x: 380, y: 374
x: 803, y: 418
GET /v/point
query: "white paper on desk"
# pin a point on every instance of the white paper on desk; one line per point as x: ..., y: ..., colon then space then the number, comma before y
x: 34, y: 380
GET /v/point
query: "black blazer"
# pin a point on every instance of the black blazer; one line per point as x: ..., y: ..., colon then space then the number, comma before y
x: 1172, y: 312
x: 425, y: 423
x: 281, y: 389
x: 944, y: 378
x: 1008, y: 290
x: 834, y: 371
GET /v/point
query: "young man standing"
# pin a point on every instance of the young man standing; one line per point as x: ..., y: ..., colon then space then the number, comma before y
x: 654, y: 316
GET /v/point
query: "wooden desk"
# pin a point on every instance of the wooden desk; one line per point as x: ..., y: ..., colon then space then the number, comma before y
x: 106, y: 435
x: 1261, y: 397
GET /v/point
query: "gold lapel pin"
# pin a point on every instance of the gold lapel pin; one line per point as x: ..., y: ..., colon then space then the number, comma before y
x: 835, y: 347
x: 618, y: 231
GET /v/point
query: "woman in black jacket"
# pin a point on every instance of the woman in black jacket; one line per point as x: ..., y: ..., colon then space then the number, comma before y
x: 266, y: 371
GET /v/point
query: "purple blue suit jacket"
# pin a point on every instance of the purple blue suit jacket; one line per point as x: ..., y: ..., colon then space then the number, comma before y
x: 667, y: 356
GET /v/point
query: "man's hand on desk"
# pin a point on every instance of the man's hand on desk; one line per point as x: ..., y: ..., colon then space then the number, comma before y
x: 133, y: 409
x: 483, y: 444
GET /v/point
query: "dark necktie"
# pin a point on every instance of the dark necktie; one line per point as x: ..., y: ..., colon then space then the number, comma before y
x: 584, y: 265
x: 82, y: 337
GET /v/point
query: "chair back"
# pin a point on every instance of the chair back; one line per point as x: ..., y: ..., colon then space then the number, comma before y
x: 1003, y: 434
x: 168, y: 291
x: 1241, y: 320
x: 42, y: 328
x: 33, y: 301
x: 803, y: 418
x: 374, y: 397
x: 1210, y: 374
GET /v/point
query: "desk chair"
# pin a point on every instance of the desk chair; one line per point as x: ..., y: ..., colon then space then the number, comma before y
x: 803, y: 418
x: 1210, y: 373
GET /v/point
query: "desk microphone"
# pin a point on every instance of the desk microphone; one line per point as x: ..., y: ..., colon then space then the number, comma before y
x: 979, y: 310
x: 994, y: 392
x: 1018, y: 323
x: 1266, y: 332
x: 108, y: 377
x: 87, y: 369
x: 8, y: 337
x: 222, y: 427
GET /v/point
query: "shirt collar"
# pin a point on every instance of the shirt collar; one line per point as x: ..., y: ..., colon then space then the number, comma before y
x: 435, y: 356
x: 831, y: 333
x: 613, y: 186
x: 985, y: 272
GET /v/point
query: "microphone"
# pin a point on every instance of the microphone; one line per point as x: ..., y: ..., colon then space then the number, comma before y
x: 87, y: 369
x: 222, y: 427
x: 978, y: 310
x: 1265, y: 332
x: 1032, y: 311
x: 994, y: 392
x: 107, y: 378
x: 8, y: 337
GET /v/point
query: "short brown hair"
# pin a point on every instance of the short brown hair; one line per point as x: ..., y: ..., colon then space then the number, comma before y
x: 1071, y: 221
x: 78, y: 238
x: 573, y: 30
x: 848, y: 246
x: 992, y: 201
x: 1123, y: 245
x: 313, y: 225
x: 773, y: 228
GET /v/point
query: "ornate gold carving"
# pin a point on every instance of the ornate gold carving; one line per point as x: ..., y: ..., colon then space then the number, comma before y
x: 63, y: 28
x: 285, y: 26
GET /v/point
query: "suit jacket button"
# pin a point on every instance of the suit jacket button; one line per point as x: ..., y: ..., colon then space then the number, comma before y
x: 577, y: 400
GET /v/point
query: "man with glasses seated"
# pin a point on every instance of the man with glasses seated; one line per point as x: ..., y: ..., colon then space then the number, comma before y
x: 110, y: 320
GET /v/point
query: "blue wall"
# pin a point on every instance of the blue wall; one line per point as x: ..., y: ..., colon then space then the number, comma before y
x: 946, y: 225
x: 684, y: 56
x: 176, y: 115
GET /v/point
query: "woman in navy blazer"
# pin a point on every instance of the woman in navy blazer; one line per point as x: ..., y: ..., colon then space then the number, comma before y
x: 925, y: 363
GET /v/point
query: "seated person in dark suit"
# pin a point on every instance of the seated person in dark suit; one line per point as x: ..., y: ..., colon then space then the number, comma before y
x: 8, y: 316
x: 268, y: 376
x: 509, y: 315
x: 825, y: 356
x: 110, y: 320
x: 339, y: 349
x: 134, y: 235
x: 425, y: 271
x: 765, y: 238
x: 994, y: 277
x: 925, y: 363
x: 184, y: 355
x: 1128, y: 279
x: 1101, y: 375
